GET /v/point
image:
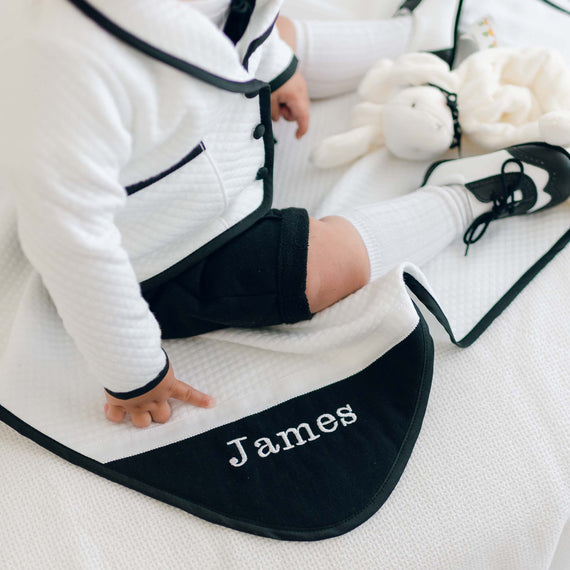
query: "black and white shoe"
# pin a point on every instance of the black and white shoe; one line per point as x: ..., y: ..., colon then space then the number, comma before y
x: 521, y: 179
x: 434, y: 26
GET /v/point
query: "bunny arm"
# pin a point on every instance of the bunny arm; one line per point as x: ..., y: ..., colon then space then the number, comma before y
x: 346, y: 147
x: 366, y: 113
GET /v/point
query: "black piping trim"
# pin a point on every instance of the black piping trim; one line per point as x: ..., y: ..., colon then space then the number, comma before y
x: 198, y: 510
x: 455, y: 34
x: 251, y: 86
x: 195, y: 152
x: 256, y: 43
x: 284, y: 76
x: 447, y: 54
x: 426, y: 298
x: 265, y: 205
x: 143, y: 389
x: 553, y: 5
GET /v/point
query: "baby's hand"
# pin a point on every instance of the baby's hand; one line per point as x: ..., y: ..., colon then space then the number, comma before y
x: 291, y: 102
x: 154, y: 406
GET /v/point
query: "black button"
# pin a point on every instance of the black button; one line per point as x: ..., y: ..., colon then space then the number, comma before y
x: 251, y: 94
x: 262, y: 173
x: 259, y: 131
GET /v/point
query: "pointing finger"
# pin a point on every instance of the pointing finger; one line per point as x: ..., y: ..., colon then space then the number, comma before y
x: 186, y: 393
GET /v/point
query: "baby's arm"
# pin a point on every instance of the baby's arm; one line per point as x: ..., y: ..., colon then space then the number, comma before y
x: 153, y: 405
x: 65, y: 142
x: 289, y: 98
x: 291, y: 102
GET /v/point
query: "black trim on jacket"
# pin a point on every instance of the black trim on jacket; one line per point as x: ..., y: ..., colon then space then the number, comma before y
x: 256, y: 43
x: 283, y: 77
x: 252, y: 86
x: 194, y: 153
x: 143, y: 389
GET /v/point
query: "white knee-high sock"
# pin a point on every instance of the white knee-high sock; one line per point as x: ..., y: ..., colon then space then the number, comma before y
x: 413, y: 228
x: 334, y: 56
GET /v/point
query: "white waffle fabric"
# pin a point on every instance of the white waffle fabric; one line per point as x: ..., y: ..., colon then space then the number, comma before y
x: 487, y: 486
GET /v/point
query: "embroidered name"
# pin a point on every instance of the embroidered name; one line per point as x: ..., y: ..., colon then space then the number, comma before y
x: 294, y: 436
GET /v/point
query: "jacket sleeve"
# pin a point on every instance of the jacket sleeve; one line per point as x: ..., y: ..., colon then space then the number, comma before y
x: 278, y: 62
x: 64, y: 141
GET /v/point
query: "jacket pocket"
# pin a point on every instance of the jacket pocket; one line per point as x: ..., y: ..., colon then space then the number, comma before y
x: 194, y: 153
x: 168, y: 208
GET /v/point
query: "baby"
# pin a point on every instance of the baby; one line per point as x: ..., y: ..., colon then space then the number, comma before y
x: 137, y: 150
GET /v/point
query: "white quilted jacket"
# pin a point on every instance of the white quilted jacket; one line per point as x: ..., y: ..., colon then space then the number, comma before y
x: 130, y: 146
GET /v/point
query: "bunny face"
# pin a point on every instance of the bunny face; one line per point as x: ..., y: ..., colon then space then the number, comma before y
x: 417, y: 123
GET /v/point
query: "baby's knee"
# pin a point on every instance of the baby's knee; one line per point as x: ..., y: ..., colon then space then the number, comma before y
x: 337, y: 262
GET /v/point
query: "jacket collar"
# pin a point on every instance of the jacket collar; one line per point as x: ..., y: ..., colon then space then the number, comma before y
x: 260, y: 24
x: 173, y: 32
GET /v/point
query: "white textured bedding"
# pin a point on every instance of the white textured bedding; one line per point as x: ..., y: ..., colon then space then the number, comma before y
x: 488, y: 484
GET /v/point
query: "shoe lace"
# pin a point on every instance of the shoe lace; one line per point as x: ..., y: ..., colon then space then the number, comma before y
x: 503, y: 203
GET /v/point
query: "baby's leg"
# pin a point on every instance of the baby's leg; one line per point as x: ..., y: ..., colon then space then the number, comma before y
x: 334, y: 56
x: 367, y: 242
x: 256, y: 279
x: 461, y: 197
x: 288, y: 266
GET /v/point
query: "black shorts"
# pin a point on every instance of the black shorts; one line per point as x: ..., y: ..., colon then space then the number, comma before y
x: 256, y: 279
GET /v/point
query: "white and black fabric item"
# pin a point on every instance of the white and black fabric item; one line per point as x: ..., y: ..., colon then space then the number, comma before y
x: 312, y: 456
x: 254, y: 373
x: 434, y: 26
x: 307, y: 462
x: 323, y: 443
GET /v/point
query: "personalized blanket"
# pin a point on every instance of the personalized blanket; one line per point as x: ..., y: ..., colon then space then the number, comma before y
x: 315, y: 421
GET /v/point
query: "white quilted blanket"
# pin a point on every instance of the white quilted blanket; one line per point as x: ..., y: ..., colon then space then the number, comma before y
x: 488, y: 484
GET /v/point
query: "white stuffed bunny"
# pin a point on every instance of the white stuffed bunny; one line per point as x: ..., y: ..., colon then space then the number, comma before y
x: 505, y: 96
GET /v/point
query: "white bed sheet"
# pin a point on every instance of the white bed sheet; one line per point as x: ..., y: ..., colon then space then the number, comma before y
x: 488, y: 484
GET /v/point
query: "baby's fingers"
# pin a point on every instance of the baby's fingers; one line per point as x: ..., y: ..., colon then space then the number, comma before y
x: 141, y: 419
x: 161, y: 414
x: 115, y: 413
x: 298, y: 111
x: 302, y: 124
x: 184, y: 392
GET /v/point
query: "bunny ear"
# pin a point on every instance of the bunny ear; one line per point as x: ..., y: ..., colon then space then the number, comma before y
x: 408, y: 70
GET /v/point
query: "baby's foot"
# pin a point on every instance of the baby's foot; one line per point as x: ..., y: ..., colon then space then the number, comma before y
x: 521, y: 179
